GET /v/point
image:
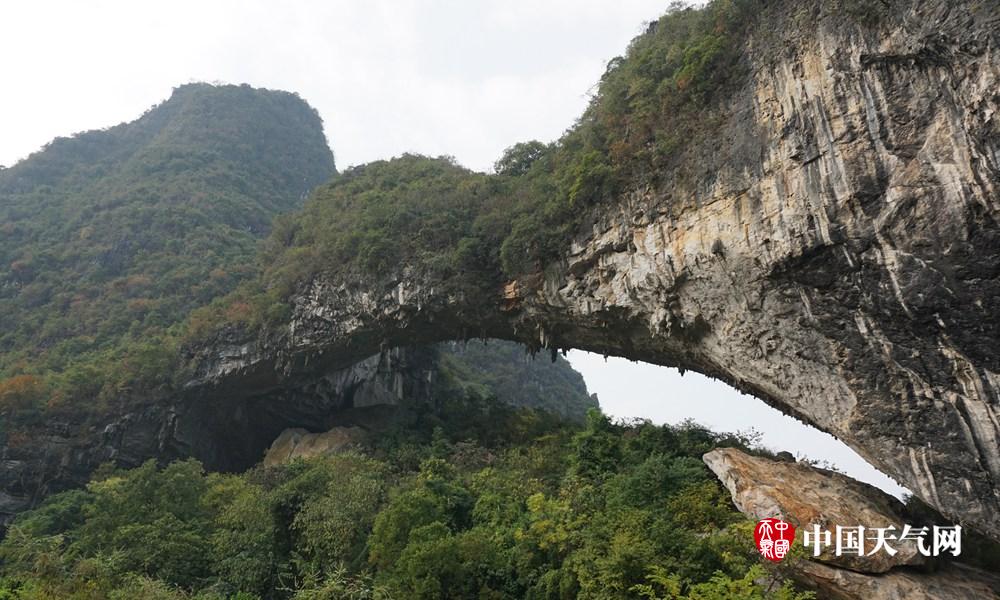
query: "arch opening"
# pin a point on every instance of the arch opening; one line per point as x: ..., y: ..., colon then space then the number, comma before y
x: 637, y: 390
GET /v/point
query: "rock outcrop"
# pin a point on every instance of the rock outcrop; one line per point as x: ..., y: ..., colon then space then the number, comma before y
x: 227, y: 434
x: 838, y: 256
x: 805, y: 495
x: 300, y: 443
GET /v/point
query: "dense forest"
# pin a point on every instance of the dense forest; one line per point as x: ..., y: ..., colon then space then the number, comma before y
x: 431, y: 511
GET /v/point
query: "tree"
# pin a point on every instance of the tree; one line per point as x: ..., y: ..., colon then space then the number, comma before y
x: 517, y: 159
x: 21, y: 393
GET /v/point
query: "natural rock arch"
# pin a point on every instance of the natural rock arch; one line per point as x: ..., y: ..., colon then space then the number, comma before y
x: 839, y: 259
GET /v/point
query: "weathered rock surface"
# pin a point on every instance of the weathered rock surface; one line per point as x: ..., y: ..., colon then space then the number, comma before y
x: 838, y: 256
x: 955, y: 583
x: 805, y: 496
x: 300, y: 443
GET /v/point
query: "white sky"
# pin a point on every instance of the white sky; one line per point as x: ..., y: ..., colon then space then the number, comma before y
x: 465, y: 78
x: 460, y: 77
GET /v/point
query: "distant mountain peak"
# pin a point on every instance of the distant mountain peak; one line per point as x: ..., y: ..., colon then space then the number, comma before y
x: 120, y: 231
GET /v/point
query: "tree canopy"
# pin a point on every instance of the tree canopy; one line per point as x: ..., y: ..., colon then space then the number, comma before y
x: 446, y: 509
x: 109, y: 238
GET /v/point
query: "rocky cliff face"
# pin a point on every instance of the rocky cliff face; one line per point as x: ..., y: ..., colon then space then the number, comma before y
x: 805, y: 496
x: 838, y: 257
x: 225, y: 433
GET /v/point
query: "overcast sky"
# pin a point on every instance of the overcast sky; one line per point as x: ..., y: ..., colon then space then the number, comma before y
x: 464, y: 78
x: 458, y: 77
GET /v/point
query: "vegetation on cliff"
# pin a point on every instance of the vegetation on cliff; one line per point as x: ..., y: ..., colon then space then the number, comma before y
x: 504, y: 372
x: 611, y: 510
x: 651, y: 109
x: 113, y: 237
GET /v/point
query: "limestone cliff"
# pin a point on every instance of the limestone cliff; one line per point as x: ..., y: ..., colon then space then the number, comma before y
x: 838, y: 255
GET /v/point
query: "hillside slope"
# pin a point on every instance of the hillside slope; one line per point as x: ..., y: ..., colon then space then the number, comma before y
x: 110, y: 237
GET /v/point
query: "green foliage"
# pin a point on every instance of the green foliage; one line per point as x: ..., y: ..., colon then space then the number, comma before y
x: 246, y: 540
x: 663, y: 586
x: 339, y: 585
x: 612, y: 510
x: 157, y: 516
x: 417, y: 212
x: 386, y: 214
x: 111, y: 237
x: 332, y: 528
x: 518, y: 159
x: 503, y: 370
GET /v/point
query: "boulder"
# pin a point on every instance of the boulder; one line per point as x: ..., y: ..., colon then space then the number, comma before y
x: 806, y: 496
x: 299, y: 443
x: 954, y: 583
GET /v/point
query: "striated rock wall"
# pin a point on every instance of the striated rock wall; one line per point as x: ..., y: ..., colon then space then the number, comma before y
x: 837, y: 255
x: 843, y: 264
